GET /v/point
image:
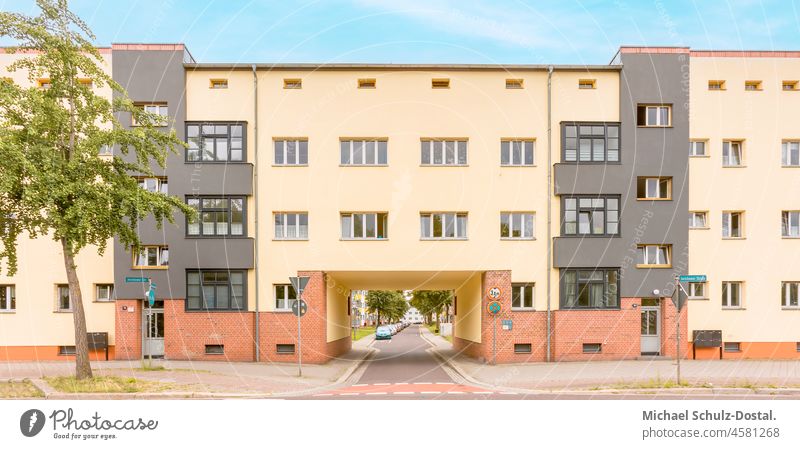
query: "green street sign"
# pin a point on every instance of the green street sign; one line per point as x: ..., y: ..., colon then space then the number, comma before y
x: 131, y: 279
x: 692, y: 278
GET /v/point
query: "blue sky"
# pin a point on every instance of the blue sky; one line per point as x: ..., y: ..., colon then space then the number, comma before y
x: 444, y: 31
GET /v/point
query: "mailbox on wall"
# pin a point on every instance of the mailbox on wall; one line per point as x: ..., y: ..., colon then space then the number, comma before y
x: 98, y: 340
x: 706, y: 339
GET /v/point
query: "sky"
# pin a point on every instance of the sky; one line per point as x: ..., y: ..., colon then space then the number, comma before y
x: 436, y: 31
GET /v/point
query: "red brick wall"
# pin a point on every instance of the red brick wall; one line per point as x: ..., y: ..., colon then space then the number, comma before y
x: 468, y: 348
x: 186, y: 334
x: 619, y: 332
x: 668, y: 313
x: 128, y: 330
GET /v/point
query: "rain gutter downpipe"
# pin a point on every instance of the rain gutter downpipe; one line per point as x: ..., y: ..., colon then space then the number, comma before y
x: 549, y: 205
x: 255, y: 200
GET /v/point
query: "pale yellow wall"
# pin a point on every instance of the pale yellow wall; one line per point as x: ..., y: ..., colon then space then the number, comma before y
x: 338, y: 321
x: 467, y: 323
x: 762, y: 189
x: 41, y: 267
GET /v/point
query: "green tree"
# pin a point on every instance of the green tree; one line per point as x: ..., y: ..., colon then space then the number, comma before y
x: 53, y: 182
x: 386, y: 303
x: 432, y: 302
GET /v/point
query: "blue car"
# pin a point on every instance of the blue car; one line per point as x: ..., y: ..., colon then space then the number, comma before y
x: 383, y: 333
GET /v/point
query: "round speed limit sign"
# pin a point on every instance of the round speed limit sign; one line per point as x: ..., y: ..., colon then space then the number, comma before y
x: 494, y: 292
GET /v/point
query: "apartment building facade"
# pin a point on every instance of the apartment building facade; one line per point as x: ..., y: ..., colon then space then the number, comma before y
x: 566, y: 190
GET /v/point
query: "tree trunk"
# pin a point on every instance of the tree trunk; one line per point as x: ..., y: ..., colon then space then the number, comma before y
x: 83, y: 369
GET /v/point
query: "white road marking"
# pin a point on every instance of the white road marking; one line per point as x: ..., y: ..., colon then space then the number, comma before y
x: 422, y: 383
x: 455, y: 392
x: 349, y: 394
x: 511, y: 393
x: 382, y: 383
x: 445, y: 383
x: 481, y: 392
x: 430, y: 392
x: 401, y: 383
x: 376, y: 392
x: 360, y: 385
x: 403, y: 392
x: 324, y: 394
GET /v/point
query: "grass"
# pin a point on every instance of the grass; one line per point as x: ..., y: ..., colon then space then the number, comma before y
x: 432, y: 327
x: 104, y: 384
x: 15, y: 390
x: 448, y: 338
x: 362, y: 332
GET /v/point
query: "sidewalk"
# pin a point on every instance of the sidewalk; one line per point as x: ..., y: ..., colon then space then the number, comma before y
x: 208, y: 379
x: 628, y: 374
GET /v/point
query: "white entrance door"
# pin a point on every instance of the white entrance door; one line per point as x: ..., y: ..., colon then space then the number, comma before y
x: 153, y: 333
x: 651, y: 331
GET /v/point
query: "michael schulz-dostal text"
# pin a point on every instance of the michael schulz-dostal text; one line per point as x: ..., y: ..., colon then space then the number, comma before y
x: 707, y: 415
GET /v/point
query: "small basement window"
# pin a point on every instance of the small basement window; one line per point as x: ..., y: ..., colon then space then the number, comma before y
x: 798, y: 346
x: 790, y: 85
x: 752, y: 85
x: 514, y: 83
x: 587, y: 84
x: 592, y: 348
x: 732, y: 347
x: 522, y: 348
x: 218, y: 84
x: 440, y: 83
x: 66, y: 350
x: 292, y: 83
x: 215, y: 349
x: 284, y: 349
x: 716, y: 85
x: 366, y: 83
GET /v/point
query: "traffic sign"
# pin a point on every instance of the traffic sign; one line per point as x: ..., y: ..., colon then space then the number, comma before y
x: 494, y: 292
x: 494, y: 307
x: 299, y: 283
x: 151, y: 295
x: 131, y: 279
x: 300, y: 310
x: 507, y: 325
x: 692, y: 278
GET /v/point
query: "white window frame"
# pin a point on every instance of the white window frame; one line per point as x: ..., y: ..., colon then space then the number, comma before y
x: 283, y: 303
x: 727, y: 221
x: 790, y: 220
x: 790, y: 149
x: 692, y: 290
x: 658, y: 123
x: 99, y: 287
x: 154, y: 185
x: 693, y: 146
x: 11, y: 298
x: 693, y: 221
x: 161, y: 254
x: 731, y: 148
x: 284, y: 227
x: 284, y: 148
x: 58, y: 298
x: 654, y: 251
x: 375, y: 217
x: 652, y: 188
x: 525, y: 146
x: 726, y: 298
x: 511, y: 218
x: 523, y: 298
x: 379, y: 144
x: 160, y: 109
x: 435, y: 146
x: 443, y: 216
x: 787, y: 288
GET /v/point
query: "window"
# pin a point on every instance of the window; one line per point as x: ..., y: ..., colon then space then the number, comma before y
x: 752, y: 85
x: 215, y: 290
x: 522, y: 348
x: 285, y: 296
x: 732, y: 347
x: 790, y: 223
x: 789, y: 85
x: 365, y: 226
x: 215, y: 142
x: 8, y: 298
x: 363, y: 152
x: 292, y: 83
x: 516, y: 225
x: 104, y: 292
x: 216, y: 217
x: 514, y: 83
x: 63, y: 298
x: 159, y: 109
x: 215, y: 349
x: 732, y: 225
x: 716, y: 85
x: 522, y: 296
x: 105, y: 150
x: 444, y: 152
x: 440, y: 83
x: 654, y: 188
x: 697, y: 220
x: 654, y: 256
x: 731, y: 295
x: 516, y: 152
x: 590, y: 142
x: 366, y: 83
x: 790, y: 292
x: 732, y: 153
x: 790, y: 154
x: 697, y: 290
x: 590, y: 288
x: 592, y: 348
x: 587, y: 84
x: 657, y: 115
x: 66, y: 350
x: 284, y: 348
x: 291, y: 225
x: 291, y: 152
x: 156, y: 256
x: 697, y: 148
x: 598, y: 215
x: 443, y: 225
x: 218, y: 83
x: 154, y: 185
